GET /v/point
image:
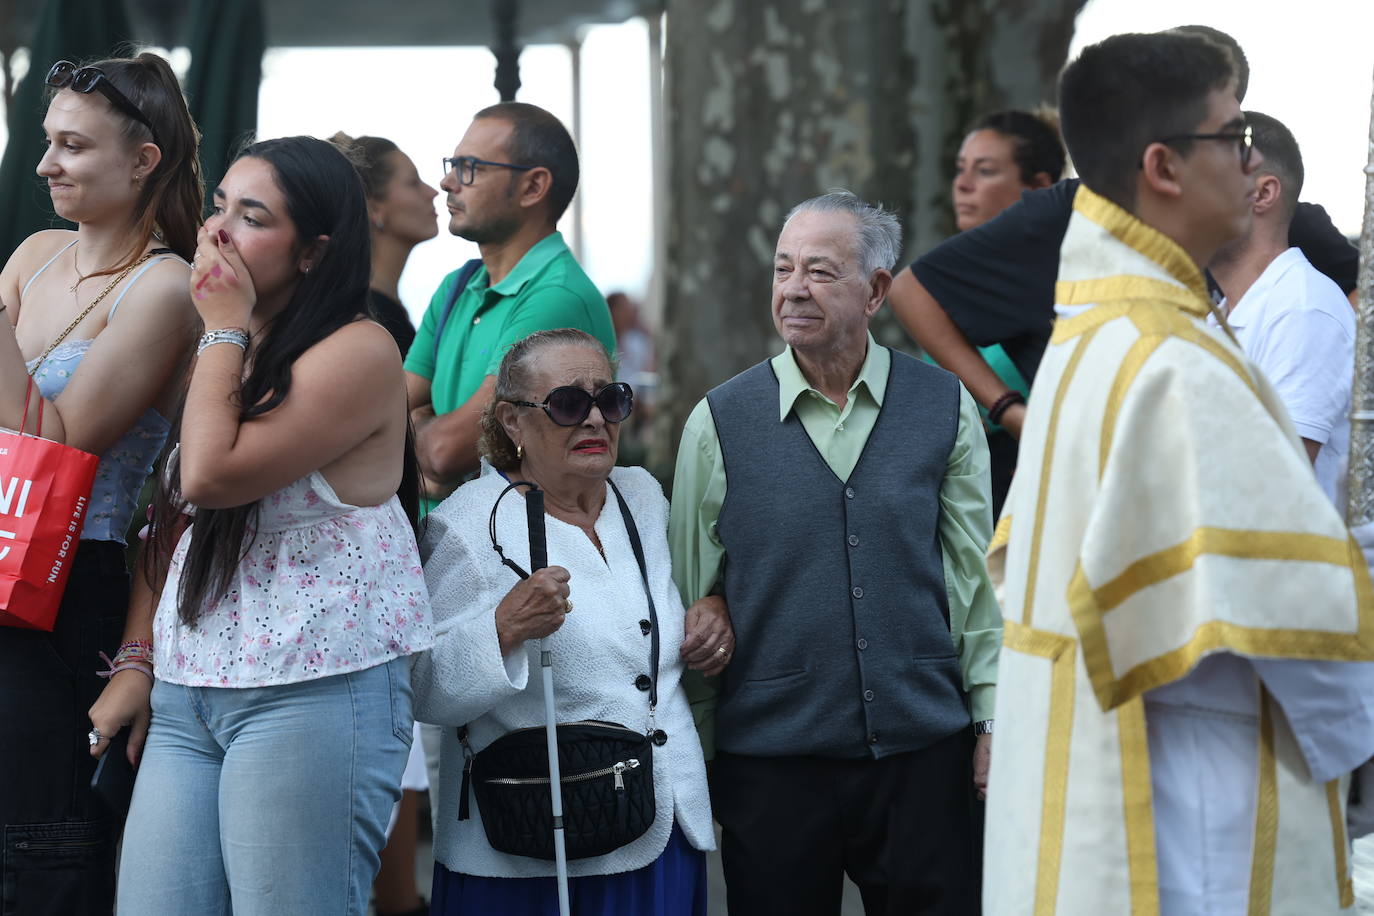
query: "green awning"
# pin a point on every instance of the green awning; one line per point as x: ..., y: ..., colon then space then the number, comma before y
x: 227, y: 41
x: 75, y: 30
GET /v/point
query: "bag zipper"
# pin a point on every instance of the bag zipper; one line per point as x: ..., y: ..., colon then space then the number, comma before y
x: 617, y: 770
x: 540, y: 728
x: 55, y: 844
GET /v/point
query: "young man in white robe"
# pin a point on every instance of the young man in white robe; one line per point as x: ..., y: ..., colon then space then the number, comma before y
x: 1183, y: 681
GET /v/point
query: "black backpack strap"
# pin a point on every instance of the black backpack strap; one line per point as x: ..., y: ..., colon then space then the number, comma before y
x: 460, y: 283
x: 638, y: 548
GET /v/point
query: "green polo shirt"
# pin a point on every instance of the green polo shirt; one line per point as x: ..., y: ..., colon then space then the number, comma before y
x: 546, y: 290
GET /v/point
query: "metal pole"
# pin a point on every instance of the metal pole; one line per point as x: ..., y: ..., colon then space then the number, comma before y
x: 575, y: 53
x: 1360, y: 499
x: 539, y: 558
x: 506, y: 48
x: 658, y: 156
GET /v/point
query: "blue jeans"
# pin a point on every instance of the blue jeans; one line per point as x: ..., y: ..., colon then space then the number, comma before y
x: 267, y: 801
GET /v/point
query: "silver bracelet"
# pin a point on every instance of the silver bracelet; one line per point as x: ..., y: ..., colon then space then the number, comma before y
x: 236, y: 336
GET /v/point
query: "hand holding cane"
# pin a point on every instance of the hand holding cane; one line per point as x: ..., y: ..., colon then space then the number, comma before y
x: 539, y: 558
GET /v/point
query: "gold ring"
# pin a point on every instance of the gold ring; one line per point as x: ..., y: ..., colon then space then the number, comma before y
x: 568, y: 602
x: 721, y: 650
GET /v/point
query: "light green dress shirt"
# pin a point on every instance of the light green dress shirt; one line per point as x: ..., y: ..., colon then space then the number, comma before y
x: 840, y: 435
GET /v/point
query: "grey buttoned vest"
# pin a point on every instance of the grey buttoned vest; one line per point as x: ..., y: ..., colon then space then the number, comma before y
x: 836, y: 588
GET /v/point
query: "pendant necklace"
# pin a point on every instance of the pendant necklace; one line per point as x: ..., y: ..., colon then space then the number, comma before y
x: 80, y: 277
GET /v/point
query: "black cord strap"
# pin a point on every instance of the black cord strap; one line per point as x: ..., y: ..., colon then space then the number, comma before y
x: 635, y: 545
x: 633, y: 532
x: 491, y: 528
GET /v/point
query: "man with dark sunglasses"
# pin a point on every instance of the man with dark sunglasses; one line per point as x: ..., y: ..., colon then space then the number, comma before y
x: 509, y: 180
x: 837, y: 495
x: 1184, y: 686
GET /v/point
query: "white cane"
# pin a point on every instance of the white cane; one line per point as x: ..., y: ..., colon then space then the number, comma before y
x: 539, y: 558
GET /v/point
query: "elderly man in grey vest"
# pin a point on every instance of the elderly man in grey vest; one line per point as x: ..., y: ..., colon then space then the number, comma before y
x: 837, y: 497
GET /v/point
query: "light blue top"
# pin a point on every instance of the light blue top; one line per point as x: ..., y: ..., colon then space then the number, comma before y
x: 127, y: 463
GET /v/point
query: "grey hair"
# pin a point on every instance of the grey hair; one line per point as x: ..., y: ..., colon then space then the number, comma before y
x: 878, y: 232
x: 513, y: 381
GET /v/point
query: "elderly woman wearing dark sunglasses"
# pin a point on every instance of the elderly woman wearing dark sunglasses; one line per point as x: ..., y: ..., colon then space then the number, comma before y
x: 99, y: 321
x: 608, y: 605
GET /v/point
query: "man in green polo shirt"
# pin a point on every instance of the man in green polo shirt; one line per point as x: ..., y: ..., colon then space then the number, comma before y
x: 510, y: 179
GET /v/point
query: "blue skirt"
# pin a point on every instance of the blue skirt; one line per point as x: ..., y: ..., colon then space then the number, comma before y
x: 674, y: 884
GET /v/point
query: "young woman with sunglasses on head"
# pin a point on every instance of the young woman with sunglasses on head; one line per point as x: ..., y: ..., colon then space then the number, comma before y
x: 554, y: 420
x: 100, y: 320
x: 292, y: 592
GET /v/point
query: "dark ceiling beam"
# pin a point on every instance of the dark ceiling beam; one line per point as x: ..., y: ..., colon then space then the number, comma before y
x: 367, y: 23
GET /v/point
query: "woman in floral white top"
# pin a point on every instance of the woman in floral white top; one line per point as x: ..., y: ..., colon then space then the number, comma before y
x: 281, y: 713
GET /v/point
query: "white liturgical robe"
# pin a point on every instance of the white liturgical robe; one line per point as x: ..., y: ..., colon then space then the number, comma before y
x: 1177, y: 713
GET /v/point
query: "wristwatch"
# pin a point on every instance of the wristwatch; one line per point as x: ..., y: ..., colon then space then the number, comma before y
x: 983, y: 727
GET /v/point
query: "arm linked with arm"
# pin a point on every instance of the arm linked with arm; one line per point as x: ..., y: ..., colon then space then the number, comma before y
x: 698, y: 557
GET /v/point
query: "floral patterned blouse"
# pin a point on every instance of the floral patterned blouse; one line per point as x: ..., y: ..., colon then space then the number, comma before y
x: 326, y: 588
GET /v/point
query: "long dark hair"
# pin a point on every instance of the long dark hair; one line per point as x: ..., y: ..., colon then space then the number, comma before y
x: 324, y: 196
x: 169, y: 205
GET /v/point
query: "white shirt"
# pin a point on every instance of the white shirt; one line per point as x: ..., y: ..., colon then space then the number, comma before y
x: 1299, y: 328
x: 597, y: 654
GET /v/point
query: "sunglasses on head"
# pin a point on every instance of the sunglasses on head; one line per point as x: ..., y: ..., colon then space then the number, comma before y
x: 568, y: 405
x: 67, y: 75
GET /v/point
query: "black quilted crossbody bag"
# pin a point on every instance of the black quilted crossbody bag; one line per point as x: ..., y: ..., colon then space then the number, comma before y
x: 607, y: 769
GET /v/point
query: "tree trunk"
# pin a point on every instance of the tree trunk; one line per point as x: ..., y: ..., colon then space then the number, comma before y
x: 774, y: 101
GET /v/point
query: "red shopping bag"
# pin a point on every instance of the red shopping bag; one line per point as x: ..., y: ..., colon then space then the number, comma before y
x: 45, y: 489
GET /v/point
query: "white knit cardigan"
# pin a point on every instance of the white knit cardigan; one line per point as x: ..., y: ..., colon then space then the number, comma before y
x: 597, y: 654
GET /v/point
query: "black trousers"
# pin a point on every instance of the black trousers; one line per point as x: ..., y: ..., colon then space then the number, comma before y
x: 58, y: 841
x: 899, y: 827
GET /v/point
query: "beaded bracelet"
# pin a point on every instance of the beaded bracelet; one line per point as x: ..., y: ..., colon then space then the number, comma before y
x: 117, y: 666
x: 999, y: 406
x: 135, y: 650
x: 236, y: 336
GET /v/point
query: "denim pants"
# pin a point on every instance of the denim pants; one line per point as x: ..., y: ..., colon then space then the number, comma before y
x: 57, y: 857
x: 266, y: 801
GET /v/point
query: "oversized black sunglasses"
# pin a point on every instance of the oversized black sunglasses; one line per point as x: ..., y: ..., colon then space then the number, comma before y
x: 568, y: 405
x: 66, y: 75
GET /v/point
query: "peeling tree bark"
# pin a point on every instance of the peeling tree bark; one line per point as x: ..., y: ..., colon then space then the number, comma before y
x: 773, y: 101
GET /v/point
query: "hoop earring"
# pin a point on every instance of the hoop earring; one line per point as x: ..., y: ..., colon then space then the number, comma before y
x: 519, y: 453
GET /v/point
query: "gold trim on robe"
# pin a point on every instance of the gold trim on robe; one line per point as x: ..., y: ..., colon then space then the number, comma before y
x: 1166, y: 511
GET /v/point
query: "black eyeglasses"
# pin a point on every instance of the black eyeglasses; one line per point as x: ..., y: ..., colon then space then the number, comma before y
x: 568, y: 405
x: 66, y: 75
x: 466, y: 167
x: 1242, y: 138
